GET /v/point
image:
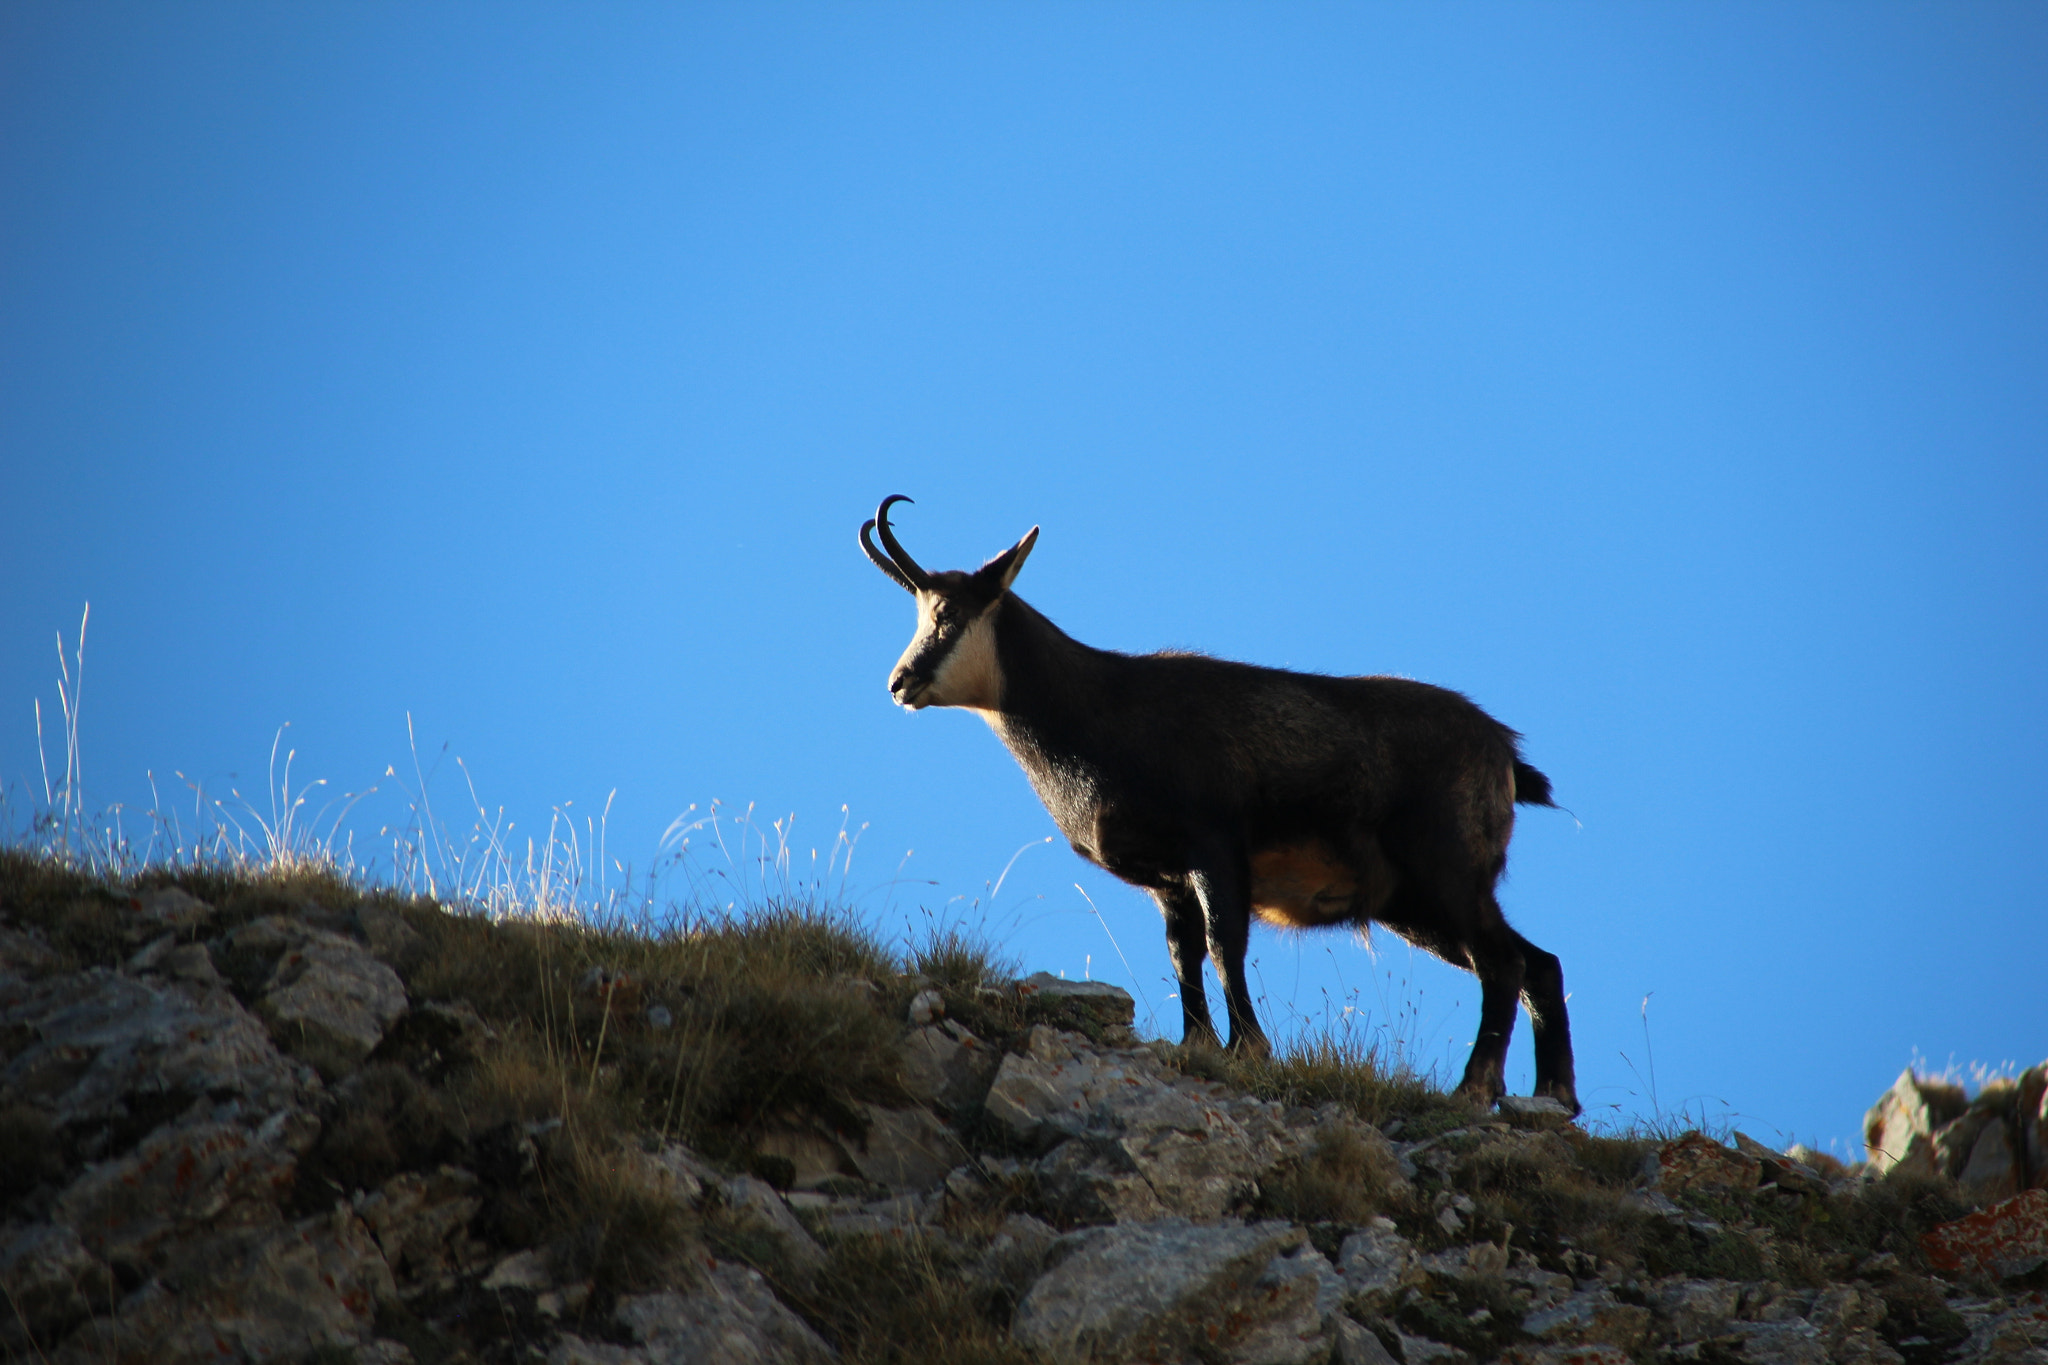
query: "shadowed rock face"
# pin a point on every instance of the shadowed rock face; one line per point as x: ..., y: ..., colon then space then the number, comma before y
x: 1076, y: 1190
x: 1161, y: 1287
x: 1993, y: 1146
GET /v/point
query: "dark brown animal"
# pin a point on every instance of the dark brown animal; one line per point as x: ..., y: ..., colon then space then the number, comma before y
x: 1227, y: 790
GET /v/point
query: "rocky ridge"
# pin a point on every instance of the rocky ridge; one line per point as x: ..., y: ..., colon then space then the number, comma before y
x: 191, y: 1171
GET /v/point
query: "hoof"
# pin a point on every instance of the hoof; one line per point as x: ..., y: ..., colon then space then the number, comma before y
x: 1478, y: 1094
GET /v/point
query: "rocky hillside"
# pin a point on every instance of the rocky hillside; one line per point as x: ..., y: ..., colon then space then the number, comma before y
x: 278, y: 1118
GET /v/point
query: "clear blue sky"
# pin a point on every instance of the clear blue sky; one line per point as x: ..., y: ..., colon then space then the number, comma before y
x: 1672, y: 379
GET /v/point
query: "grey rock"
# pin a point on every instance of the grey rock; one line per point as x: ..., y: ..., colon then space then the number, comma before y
x: 50, y: 1283
x: 1846, y: 1316
x: 2006, y: 1333
x: 1015, y: 1256
x: 1376, y: 1261
x: 814, y: 1156
x: 1307, y: 1263
x: 328, y: 1000
x: 184, y: 1178
x: 1107, y: 1003
x: 526, y: 1270
x: 1423, y: 1351
x: 1693, y: 1309
x: 757, y: 1200
x: 1199, y: 1149
x: 1310, y: 1293
x: 1095, y: 1180
x: 105, y: 1046
x: 171, y: 908
x: 1120, y: 1293
x: 420, y: 1221
x: 570, y: 1349
x: 24, y: 953
x: 1534, y: 1111
x: 1792, y: 1341
x: 674, y: 1172
x: 145, y: 958
x: 1593, y: 1316
x: 192, y: 963
x: 389, y: 936
x: 733, y: 1318
x: 257, y: 1294
x: 896, y: 1214
x: 1899, y: 1129
x: 926, y: 1006
x: 907, y: 1149
x: 1358, y: 1346
x: 1990, y: 1170
x: 947, y: 1066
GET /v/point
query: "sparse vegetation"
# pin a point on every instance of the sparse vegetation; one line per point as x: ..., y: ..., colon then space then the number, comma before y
x: 551, y: 1049
x: 544, y: 1054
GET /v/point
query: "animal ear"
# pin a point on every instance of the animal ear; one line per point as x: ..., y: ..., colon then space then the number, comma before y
x: 999, y: 573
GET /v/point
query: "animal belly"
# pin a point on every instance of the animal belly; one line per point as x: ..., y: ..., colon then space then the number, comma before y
x: 1302, y: 886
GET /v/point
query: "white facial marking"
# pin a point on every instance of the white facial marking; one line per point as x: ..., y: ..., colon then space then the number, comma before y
x: 969, y: 675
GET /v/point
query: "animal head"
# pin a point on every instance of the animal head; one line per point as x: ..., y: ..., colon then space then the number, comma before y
x: 951, y: 660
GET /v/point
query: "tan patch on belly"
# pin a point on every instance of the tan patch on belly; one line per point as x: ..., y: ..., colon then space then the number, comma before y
x: 1302, y: 886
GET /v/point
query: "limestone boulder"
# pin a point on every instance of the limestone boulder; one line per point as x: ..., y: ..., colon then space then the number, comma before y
x: 946, y: 1066
x: 327, y: 999
x: 420, y: 1220
x: 1095, y: 1001
x: 1195, y: 1149
x: 1899, y: 1129
x: 1595, y: 1316
x: 906, y: 1149
x: 2008, y: 1239
x: 1015, y: 1256
x: 184, y: 1178
x: 50, y: 1283
x: 274, y: 1293
x: 756, y: 1201
x: 1376, y: 1262
x: 1142, y: 1291
x: 25, y: 953
x: 171, y: 909
x: 107, y: 1056
x: 732, y: 1318
x: 1696, y: 1161
x: 1993, y: 1145
x: 1693, y: 1310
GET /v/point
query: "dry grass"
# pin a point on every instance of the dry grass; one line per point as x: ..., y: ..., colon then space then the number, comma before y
x: 891, y: 1300
x: 1345, y: 1179
x: 715, y: 1030
x: 1324, y: 1069
x: 781, y: 1017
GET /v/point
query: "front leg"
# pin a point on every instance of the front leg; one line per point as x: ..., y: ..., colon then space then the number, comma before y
x: 1187, y: 945
x: 1223, y: 885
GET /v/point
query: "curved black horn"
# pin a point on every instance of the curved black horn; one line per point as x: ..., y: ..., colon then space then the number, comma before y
x: 881, y: 561
x: 916, y: 576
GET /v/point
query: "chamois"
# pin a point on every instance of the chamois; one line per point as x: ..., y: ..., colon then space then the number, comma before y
x: 1227, y: 790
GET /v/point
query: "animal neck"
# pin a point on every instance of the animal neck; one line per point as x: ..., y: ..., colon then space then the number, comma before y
x: 1051, y: 681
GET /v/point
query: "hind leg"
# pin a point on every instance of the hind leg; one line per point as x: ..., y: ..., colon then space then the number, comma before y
x: 1543, y: 994
x: 1495, y: 957
x: 1469, y: 931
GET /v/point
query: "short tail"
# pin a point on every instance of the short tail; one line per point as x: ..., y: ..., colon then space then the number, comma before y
x: 1532, y: 788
